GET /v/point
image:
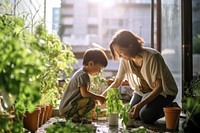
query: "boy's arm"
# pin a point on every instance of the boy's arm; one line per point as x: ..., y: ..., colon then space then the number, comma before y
x: 86, y: 93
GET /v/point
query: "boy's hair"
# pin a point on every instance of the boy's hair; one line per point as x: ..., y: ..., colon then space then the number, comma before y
x: 96, y: 55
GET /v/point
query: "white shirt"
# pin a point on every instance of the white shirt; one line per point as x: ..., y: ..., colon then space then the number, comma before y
x: 153, y: 67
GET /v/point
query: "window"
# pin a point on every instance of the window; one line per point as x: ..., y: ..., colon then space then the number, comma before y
x: 171, y: 40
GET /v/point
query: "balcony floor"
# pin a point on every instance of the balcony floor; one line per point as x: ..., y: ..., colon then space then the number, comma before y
x: 103, y: 127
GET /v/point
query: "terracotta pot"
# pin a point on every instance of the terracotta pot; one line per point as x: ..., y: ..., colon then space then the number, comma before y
x: 50, y: 111
x: 46, y: 113
x: 42, y: 114
x: 172, y: 115
x: 113, y: 119
x: 31, y: 120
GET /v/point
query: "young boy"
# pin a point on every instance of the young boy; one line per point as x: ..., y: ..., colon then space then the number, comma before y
x: 77, y: 101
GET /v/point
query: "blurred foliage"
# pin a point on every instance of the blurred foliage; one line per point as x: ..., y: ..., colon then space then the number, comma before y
x: 58, y: 58
x: 190, y: 103
x: 69, y: 127
x: 98, y: 83
x: 29, y: 68
x: 20, y: 66
x: 196, y: 44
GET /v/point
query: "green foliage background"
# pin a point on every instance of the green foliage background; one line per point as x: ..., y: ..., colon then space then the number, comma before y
x: 196, y: 44
x: 29, y: 68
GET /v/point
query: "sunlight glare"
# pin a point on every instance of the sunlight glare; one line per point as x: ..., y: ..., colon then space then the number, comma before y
x: 104, y: 3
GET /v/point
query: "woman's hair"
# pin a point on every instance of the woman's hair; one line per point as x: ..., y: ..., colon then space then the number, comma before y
x: 124, y: 38
x: 96, y: 55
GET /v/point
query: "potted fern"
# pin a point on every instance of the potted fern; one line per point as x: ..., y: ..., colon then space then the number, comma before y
x: 113, y: 105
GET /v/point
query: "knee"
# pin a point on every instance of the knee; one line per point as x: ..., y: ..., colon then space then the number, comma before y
x: 92, y: 103
x: 146, y: 117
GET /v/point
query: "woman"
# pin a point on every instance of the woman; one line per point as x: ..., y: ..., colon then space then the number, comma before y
x: 148, y: 75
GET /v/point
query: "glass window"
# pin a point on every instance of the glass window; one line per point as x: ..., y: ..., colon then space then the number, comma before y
x: 171, y: 40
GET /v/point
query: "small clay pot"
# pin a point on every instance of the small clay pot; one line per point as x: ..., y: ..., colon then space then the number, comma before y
x: 172, y: 115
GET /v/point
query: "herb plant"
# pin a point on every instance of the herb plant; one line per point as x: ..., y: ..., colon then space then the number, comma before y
x: 113, y: 101
x: 124, y: 114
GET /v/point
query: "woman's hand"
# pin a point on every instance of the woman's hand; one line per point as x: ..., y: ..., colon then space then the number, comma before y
x: 135, y: 111
x: 152, y: 95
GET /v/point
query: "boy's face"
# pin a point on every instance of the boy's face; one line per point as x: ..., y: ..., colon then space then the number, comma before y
x: 95, y: 68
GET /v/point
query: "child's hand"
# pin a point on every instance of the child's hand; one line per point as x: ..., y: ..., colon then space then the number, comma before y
x: 102, y: 100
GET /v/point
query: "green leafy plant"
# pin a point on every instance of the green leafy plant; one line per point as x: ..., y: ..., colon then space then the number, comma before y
x: 58, y: 58
x: 25, y: 57
x: 190, y: 104
x: 113, y: 101
x: 115, y: 105
x: 140, y: 129
x: 196, y: 44
x: 69, y: 127
x: 20, y: 66
x: 125, y: 114
x: 98, y: 84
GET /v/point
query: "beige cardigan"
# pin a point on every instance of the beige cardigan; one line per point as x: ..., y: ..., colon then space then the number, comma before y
x: 153, y: 67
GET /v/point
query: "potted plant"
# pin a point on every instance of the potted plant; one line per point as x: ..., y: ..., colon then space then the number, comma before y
x: 113, y: 105
x: 191, y: 106
x: 20, y: 66
x: 58, y: 58
x: 31, y: 120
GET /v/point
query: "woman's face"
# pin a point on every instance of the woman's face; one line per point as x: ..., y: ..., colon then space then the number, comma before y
x: 126, y: 53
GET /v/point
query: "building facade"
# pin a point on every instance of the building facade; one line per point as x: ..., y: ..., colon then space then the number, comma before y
x: 83, y: 22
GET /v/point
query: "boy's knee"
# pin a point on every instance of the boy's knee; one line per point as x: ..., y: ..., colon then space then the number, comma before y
x: 92, y: 103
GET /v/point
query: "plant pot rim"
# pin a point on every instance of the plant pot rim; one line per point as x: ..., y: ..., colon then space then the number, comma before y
x: 173, y: 108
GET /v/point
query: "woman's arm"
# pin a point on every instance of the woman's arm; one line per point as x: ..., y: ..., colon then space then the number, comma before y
x: 117, y: 83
